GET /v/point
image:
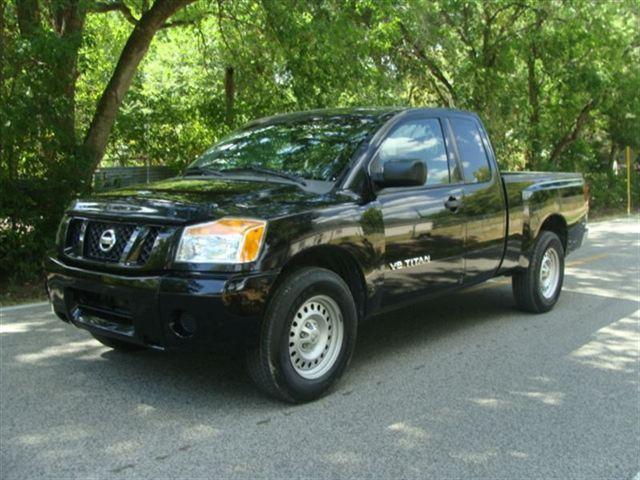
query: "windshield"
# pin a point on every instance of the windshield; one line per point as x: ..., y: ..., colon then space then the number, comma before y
x: 314, y: 147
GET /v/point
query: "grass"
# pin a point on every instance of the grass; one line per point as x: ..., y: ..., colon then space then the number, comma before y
x: 28, y: 292
x: 602, y: 214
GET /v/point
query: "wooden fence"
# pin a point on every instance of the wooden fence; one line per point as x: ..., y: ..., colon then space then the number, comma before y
x: 116, y: 177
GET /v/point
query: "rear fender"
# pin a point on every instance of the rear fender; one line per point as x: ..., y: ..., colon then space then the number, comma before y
x: 558, y: 206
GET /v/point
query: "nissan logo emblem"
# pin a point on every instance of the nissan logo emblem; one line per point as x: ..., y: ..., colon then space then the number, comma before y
x: 107, y: 240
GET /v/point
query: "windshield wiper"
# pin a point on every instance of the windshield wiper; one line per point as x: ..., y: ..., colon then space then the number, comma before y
x: 268, y: 171
x: 197, y: 170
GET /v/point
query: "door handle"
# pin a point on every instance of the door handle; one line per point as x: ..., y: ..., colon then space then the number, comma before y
x: 452, y: 203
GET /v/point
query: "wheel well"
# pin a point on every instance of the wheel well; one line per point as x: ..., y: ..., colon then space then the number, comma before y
x: 557, y: 225
x: 339, y: 261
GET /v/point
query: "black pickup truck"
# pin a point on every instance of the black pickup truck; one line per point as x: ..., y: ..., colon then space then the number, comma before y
x: 291, y: 231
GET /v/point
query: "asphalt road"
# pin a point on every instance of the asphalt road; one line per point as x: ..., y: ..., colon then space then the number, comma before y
x: 461, y: 387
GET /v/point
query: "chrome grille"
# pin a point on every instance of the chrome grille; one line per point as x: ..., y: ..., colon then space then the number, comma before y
x: 147, y: 246
x: 132, y: 245
x: 73, y: 233
x: 92, y: 236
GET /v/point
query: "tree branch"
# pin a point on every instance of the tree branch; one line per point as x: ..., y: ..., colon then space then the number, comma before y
x: 103, y: 7
x: 462, y: 32
x: 221, y: 28
x: 180, y: 23
x: 573, y: 135
x: 506, y: 7
x: 433, y: 67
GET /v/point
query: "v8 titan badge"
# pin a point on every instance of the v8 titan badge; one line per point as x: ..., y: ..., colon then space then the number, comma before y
x: 410, y: 262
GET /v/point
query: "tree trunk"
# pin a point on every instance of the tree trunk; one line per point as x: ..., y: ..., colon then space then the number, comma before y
x: 2, y: 93
x: 28, y: 18
x: 28, y: 14
x: 533, y: 153
x: 533, y: 84
x: 134, y: 51
x: 2, y: 47
x: 229, y: 94
x: 613, y: 153
x: 68, y: 23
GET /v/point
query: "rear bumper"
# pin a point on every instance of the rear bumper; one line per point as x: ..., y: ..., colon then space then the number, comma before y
x: 169, y: 311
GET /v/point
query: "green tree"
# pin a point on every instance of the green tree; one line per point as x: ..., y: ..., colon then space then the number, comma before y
x: 82, y: 83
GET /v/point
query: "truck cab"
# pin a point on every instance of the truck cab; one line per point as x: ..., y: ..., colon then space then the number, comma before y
x: 449, y: 230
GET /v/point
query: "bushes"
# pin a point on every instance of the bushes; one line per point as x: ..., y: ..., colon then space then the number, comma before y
x: 609, y: 191
x: 30, y: 211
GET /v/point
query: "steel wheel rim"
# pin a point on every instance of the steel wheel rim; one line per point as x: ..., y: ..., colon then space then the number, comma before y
x: 549, y: 273
x: 315, y: 337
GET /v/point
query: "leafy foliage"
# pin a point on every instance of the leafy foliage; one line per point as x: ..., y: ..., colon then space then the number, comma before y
x: 556, y: 83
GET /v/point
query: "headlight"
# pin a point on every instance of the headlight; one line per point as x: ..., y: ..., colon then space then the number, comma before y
x: 229, y: 240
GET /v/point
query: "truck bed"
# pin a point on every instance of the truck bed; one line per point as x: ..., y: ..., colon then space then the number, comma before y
x: 536, y: 197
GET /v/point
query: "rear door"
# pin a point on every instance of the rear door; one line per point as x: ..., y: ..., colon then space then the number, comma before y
x: 424, y: 233
x: 483, y: 208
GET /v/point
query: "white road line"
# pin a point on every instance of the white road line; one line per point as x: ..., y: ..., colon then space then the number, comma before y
x: 637, y: 477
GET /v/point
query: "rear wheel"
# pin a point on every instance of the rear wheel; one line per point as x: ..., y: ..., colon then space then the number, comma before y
x: 116, y: 344
x: 538, y: 288
x: 307, y: 336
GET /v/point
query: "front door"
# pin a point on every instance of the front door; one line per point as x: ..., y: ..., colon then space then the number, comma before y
x: 424, y: 233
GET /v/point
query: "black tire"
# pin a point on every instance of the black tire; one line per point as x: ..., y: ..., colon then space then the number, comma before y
x: 269, y: 362
x: 119, y: 345
x: 527, y: 286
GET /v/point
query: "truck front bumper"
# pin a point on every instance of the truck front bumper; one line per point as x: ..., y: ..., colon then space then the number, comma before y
x: 168, y: 311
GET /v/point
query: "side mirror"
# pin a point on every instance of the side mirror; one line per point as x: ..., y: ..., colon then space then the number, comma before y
x: 402, y: 173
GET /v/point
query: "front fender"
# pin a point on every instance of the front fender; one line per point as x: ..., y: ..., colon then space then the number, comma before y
x: 353, y: 228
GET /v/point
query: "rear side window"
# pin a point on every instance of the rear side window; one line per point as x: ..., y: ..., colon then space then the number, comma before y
x: 475, y: 163
x: 420, y: 139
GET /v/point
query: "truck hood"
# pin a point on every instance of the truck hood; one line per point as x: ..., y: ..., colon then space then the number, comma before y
x: 182, y: 200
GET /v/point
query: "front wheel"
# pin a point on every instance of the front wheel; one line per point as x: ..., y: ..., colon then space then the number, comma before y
x: 538, y: 288
x: 307, y: 337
